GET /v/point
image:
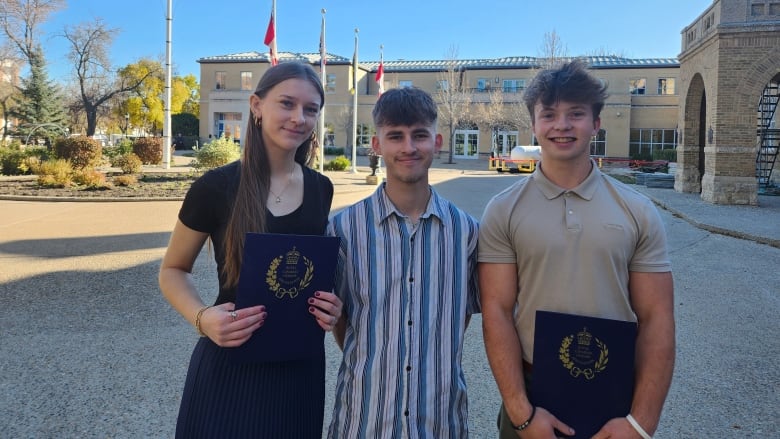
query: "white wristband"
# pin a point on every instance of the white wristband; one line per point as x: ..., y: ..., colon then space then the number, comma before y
x: 637, y: 427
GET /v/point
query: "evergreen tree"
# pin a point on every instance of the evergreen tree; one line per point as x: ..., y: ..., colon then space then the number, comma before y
x: 40, y: 109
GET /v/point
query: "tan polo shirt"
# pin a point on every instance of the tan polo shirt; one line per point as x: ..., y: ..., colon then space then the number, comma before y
x: 573, y: 248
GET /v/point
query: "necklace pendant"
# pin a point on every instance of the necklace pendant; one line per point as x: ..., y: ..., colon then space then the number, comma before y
x: 278, y: 200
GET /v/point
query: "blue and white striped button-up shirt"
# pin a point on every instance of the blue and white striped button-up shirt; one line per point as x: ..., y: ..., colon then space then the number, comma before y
x: 407, y: 291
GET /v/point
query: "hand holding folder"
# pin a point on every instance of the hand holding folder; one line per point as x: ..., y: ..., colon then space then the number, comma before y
x: 282, y: 272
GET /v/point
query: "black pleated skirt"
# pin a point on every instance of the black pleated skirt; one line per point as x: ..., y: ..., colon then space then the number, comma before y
x: 226, y: 399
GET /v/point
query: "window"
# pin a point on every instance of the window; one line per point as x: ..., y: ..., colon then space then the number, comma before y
x: 514, y: 85
x: 665, y: 86
x: 363, y: 135
x: 643, y: 142
x: 227, y: 124
x: 756, y: 9
x: 637, y: 86
x: 404, y: 84
x: 219, y: 80
x: 774, y: 9
x: 330, y: 134
x: 442, y: 85
x: 246, y: 81
x: 598, y: 144
x: 483, y: 84
x: 330, y: 83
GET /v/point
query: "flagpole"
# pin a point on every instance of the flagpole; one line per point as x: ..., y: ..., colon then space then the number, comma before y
x: 380, y: 74
x: 354, y: 104
x: 324, y: 82
x: 167, y: 111
x: 275, y: 46
x: 270, y: 36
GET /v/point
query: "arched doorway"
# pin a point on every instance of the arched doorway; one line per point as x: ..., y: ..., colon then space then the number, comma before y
x: 690, y: 150
x: 702, y: 135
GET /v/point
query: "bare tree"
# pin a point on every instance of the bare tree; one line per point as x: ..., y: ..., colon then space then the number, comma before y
x: 499, y: 113
x: 344, y: 121
x: 9, y: 84
x: 453, y: 99
x: 97, y: 81
x: 552, y: 51
x: 491, y: 113
x: 607, y: 52
x: 20, y: 19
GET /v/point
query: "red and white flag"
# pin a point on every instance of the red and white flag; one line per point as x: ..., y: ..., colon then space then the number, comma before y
x: 380, y: 76
x: 270, y: 37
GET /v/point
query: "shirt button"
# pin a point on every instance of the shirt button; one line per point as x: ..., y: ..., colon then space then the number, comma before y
x: 406, y: 412
x: 571, y: 212
x: 408, y: 368
x: 411, y: 279
x: 410, y: 323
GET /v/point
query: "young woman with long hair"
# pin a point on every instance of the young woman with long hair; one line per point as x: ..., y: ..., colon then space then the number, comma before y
x: 270, y: 189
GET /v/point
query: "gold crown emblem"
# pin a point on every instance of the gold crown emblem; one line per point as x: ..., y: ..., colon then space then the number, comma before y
x: 584, y: 337
x: 292, y: 256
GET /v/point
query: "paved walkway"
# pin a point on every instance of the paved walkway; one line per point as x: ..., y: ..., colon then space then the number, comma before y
x: 90, y: 349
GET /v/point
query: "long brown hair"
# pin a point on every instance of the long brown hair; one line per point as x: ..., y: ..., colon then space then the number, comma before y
x: 248, y: 213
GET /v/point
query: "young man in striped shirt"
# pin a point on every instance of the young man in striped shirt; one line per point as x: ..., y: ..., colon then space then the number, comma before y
x: 407, y: 277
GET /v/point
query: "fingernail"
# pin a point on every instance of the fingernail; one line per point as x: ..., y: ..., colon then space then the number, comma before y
x: 317, y: 294
x: 311, y: 309
x: 262, y: 308
x: 311, y: 301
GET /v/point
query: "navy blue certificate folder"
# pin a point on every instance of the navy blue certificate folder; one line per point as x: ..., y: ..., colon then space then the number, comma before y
x: 282, y: 272
x: 583, y: 369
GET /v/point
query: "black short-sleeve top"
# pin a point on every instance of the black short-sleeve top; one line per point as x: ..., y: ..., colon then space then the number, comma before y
x: 210, y: 199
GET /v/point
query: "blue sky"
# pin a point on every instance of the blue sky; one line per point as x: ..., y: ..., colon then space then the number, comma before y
x: 408, y: 29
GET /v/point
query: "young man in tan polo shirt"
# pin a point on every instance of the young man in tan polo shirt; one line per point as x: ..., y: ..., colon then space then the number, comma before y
x: 570, y: 239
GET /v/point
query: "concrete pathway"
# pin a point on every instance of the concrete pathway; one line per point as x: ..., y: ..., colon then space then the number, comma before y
x: 90, y: 349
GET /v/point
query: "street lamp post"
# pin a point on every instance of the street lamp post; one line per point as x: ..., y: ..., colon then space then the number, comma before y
x: 127, y: 123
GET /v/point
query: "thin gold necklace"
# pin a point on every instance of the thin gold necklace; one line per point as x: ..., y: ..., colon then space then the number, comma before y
x: 278, y: 197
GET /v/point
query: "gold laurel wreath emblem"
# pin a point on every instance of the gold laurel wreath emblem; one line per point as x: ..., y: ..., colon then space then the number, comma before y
x: 276, y: 287
x: 600, y: 366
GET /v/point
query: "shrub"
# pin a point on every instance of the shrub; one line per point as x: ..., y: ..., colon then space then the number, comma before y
x: 129, y: 163
x: 149, y: 150
x: 670, y: 155
x: 11, y: 161
x: 340, y: 163
x: 81, y: 151
x: 18, y: 161
x: 216, y: 153
x: 90, y: 178
x: 55, y: 173
x: 334, y: 150
x: 125, y: 180
x: 125, y: 146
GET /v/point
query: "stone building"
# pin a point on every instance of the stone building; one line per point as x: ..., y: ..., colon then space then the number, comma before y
x: 638, y: 120
x: 729, y: 74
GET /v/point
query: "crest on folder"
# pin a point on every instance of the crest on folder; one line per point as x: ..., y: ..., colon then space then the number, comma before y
x: 584, y: 355
x: 289, y: 274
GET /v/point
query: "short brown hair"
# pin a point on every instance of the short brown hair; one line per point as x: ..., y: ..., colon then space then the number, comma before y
x: 404, y: 106
x: 571, y: 82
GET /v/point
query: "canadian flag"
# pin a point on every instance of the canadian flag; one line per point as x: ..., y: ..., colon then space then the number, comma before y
x: 270, y: 39
x: 380, y: 77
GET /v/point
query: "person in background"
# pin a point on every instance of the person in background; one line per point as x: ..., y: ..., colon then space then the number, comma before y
x: 407, y: 276
x: 573, y: 240
x: 270, y: 189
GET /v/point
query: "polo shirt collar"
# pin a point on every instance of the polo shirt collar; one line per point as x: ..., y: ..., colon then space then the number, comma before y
x: 433, y: 209
x: 584, y: 190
